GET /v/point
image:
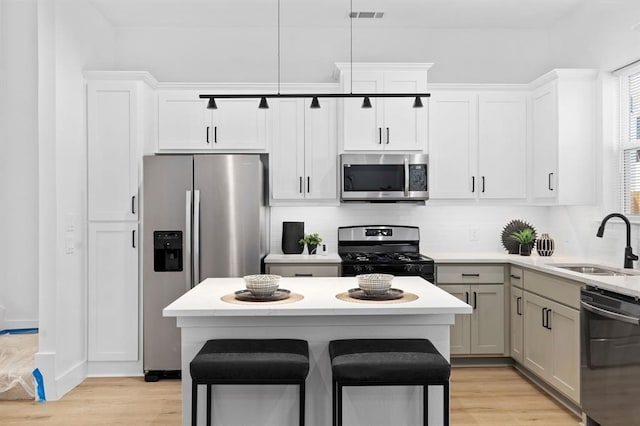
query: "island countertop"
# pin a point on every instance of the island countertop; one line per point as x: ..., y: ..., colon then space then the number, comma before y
x: 319, y: 298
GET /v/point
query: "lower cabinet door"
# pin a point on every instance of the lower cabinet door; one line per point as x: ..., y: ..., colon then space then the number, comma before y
x: 460, y: 334
x: 292, y: 270
x: 113, y: 291
x: 516, y: 323
x: 537, y: 337
x: 487, y: 324
x: 565, y: 349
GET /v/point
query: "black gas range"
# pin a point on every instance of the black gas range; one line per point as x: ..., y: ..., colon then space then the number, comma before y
x: 383, y: 249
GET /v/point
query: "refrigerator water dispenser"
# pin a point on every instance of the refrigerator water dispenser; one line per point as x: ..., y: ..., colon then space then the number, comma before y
x: 167, y: 251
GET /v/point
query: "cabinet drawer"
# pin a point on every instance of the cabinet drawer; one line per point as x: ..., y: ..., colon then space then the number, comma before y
x: 304, y: 270
x: 470, y: 274
x: 515, y: 277
x: 563, y: 291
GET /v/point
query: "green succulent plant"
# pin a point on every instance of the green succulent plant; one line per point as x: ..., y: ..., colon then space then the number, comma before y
x: 311, y: 240
x: 524, y: 236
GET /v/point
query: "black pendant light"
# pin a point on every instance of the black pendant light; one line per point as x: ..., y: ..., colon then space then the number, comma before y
x: 366, y: 103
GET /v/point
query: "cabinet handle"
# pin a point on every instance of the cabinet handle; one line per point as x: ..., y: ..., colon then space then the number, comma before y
x: 308, y: 184
x: 548, y: 319
x: 475, y: 300
x: 470, y: 275
x: 133, y: 204
x: 302, y: 275
x: 515, y: 277
x: 215, y: 134
x: 518, y: 309
x: 544, y: 317
x: 482, y: 183
x: 550, y: 188
x: 387, y: 136
x: 208, y: 134
x: 300, y: 184
x: 380, y: 135
x: 133, y: 238
x: 466, y: 295
x: 473, y: 184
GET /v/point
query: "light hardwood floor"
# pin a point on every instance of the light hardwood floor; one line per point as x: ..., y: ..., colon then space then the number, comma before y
x: 479, y: 397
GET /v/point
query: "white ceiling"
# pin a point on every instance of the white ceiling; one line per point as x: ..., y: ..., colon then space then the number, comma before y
x: 533, y: 14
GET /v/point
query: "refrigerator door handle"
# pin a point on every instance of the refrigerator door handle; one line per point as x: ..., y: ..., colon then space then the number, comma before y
x: 196, y: 237
x: 187, y: 240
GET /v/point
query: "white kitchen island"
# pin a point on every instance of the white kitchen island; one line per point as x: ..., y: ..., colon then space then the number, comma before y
x: 318, y: 318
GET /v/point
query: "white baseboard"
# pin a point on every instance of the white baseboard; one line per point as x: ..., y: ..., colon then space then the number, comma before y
x: 13, y: 324
x: 115, y: 369
x: 56, y: 386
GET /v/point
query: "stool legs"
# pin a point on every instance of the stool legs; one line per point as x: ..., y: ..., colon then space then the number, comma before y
x: 445, y: 395
x: 425, y: 405
x: 209, y: 405
x: 302, y: 391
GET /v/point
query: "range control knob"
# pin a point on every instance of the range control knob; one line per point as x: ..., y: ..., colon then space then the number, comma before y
x: 368, y: 268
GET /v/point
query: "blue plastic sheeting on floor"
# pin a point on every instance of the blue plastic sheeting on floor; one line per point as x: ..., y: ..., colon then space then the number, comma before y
x: 19, y: 331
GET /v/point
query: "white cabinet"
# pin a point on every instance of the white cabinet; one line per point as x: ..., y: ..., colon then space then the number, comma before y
x: 185, y: 123
x: 516, y: 322
x: 113, y: 291
x: 564, y: 137
x: 482, y: 332
x: 390, y: 123
x: 113, y: 150
x: 552, y: 331
x: 478, y: 145
x: 303, y: 150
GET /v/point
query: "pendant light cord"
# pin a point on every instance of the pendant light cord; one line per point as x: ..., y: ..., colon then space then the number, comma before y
x: 350, y: 43
x: 278, y: 47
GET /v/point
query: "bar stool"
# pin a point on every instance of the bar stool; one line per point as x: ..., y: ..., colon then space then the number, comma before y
x: 387, y: 362
x: 248, y: 362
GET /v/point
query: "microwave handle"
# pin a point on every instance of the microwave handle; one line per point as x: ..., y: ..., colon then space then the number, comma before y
x: 406, y: 177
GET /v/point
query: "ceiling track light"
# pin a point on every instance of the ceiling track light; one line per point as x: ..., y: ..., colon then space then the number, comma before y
x: 366, y: 103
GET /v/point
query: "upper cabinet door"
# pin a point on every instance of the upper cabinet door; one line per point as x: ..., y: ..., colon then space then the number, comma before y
x: 184, y: 122
x: 453, y: 139
x: 239, y: 124
x: 287, y: 149
x: 405, y: 127
x: 545, y: 141
x: 363, y: 126
x: 113, y: 150
x: 320, y: 151
x: 503, y: 145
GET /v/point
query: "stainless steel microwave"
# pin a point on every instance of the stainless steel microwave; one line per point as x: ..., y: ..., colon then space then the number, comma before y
x: 384, y: 177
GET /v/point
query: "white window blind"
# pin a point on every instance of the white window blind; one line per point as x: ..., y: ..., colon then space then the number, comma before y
x: 630, y: 142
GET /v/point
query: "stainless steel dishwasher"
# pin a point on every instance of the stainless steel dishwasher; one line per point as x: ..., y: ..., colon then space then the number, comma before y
x: 610, y: 358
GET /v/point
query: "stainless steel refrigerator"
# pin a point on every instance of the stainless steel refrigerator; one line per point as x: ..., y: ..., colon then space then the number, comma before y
x: 203, y: 216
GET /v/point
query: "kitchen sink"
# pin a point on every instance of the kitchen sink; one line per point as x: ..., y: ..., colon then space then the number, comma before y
x: 590, y: 269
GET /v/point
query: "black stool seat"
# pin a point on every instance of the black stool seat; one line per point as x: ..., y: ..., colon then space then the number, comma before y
x: 239, y: 360
x: 388, y: 362
x: 249, y: 362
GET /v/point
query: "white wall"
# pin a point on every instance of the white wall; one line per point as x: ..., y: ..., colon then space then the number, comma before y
x: 443, y: 228
x: 308, y: 55
x: 80, y: 39
x: 18, y: 164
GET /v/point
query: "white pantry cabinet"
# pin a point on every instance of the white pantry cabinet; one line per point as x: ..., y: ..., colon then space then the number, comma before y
x: 185, y: 123
x: 564, y: 137
x: 303, y: 150
x: 114, y: 122
x: 482, y: 287
x: 478, y: 144
x: 390, y: 123
x: 113, y: 291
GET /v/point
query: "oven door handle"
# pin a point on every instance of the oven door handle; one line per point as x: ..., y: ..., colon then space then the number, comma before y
x: 611, y: 315
x: 406, y: 176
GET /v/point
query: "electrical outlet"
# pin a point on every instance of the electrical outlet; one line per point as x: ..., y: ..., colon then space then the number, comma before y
x: 69, y: 247
x: 473, y: 234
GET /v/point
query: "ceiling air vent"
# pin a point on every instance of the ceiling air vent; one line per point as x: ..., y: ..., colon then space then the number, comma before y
x: 374, y: 15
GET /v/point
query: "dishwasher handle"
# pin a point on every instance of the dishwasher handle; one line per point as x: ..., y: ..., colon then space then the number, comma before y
x: 611, y: 315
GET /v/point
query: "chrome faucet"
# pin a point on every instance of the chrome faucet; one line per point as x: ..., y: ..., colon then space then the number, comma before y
x: 629, y: 257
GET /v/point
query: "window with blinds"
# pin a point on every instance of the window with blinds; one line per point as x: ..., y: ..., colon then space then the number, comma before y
x: 630, y: 142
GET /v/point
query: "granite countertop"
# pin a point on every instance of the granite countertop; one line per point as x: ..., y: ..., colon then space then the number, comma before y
x: 319, y: 299
x: 626, y: 284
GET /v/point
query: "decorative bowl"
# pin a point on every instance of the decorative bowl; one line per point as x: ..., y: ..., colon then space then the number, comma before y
x: 262, y: 284
x: 374, y: 284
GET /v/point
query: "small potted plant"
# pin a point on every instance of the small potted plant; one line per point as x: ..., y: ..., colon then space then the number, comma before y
x: 312, y: 241
x: 526, y: 237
